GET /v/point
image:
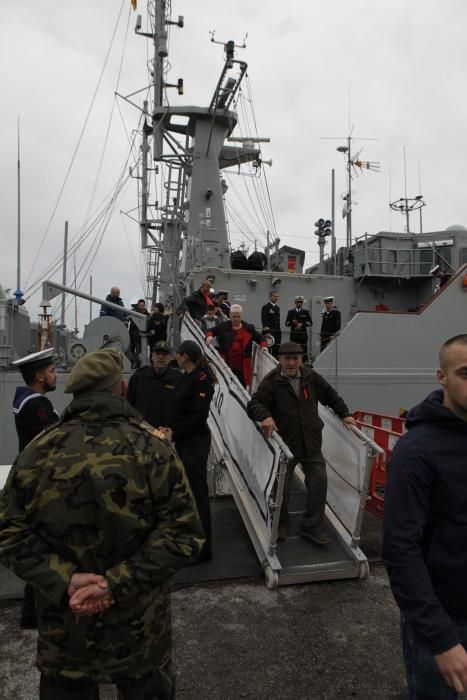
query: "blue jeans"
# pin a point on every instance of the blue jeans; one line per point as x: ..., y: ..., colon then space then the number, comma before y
x: 424, y: 679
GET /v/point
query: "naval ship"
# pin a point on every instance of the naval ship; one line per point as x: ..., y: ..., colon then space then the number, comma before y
x: 393, y: 318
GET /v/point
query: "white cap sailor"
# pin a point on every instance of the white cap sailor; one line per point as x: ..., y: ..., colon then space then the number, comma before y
x: 35, y: 361
x: 328, y: 300
x: 299, y: 298
x: 435, y: 269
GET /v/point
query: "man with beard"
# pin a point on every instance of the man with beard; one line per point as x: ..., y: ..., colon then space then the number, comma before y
x: 32, y: 409
x: 33, y: 412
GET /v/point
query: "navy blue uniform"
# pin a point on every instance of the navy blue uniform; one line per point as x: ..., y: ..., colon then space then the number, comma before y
x: 153, y: 394
x: 33, y: 412
x: 299, y: 316
x: 271, y: 322
x: 192, y: 439
x: 330, y: 325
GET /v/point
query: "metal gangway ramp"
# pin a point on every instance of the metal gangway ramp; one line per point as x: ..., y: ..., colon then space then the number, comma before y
x: 256, y: 466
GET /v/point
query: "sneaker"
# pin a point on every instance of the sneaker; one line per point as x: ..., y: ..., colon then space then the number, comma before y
x: 315, y: 534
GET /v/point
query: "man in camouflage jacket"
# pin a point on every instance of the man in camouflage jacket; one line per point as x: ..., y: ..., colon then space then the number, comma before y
x: 100, y: 494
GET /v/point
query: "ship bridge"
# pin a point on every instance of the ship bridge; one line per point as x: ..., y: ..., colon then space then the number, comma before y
x: 399, y: 255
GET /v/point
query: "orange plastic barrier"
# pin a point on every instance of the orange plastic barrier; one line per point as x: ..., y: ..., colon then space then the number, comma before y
x: 385, y: 431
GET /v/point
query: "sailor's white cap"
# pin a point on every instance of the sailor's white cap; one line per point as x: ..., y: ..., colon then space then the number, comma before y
x: 299, y: 298
x: 326, y: 299
x: 435, y: 269
x: 36, y: 360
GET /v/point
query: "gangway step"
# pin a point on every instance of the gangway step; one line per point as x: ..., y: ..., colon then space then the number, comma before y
x: 301, y: 559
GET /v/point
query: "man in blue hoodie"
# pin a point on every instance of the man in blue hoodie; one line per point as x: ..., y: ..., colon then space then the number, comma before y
x: 425, y: 532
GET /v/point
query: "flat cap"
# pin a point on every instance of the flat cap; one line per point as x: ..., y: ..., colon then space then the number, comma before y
x: 299, y: 298
x: 326, y: 299
x: 290, y: 349
x: 434, y: 270
x: 162, y: 346
x: 36, y: 360
x: 96, y: 371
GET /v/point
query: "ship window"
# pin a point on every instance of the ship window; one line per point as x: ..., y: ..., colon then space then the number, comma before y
x: 442, y: 256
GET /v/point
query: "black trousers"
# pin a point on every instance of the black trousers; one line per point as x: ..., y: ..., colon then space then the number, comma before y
x: 325, y: 340
x: 194, y: 455
x: 277, y: 335
x: 316, y: 483
x: 158, y: 685
x: 28, y: 608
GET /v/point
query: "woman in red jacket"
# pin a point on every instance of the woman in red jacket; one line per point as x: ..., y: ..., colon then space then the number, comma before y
x: 235, y: 338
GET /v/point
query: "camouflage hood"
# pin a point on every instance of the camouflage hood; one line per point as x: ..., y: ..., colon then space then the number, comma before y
x: 98, y: 407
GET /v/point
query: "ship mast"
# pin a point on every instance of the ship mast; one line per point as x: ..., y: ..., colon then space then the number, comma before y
x: 187, y: 229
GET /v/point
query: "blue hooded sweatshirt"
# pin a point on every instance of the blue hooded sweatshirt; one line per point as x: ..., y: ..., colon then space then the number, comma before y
x: 425, y: 523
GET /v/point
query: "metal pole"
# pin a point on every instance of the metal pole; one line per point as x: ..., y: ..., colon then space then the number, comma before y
x: 349, y: 195
x: 333, y: 233
x: 90, y: 302
x: 65, y: 253
x: 76, y: 300
x: 407, y: 215
x: 159, y: 33
x: 268, y: 252
x: 18, y: 252
x: 405, y: 194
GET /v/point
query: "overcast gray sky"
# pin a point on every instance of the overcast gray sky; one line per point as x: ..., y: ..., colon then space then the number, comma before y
x: 404, y: 60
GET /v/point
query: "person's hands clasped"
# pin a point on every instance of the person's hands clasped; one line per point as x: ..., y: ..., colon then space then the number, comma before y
x: 89, y: 594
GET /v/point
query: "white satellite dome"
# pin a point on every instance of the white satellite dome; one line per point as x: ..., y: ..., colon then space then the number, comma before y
x: 456, y: 227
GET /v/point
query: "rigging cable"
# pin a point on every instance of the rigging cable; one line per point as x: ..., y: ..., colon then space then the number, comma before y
x: 109, y: 124
x: 265, y: 177
x: 269, y: 224
x: 77, y: 145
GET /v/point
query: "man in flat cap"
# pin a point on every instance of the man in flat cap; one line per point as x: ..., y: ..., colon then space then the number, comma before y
x: 151, y: 389
x: 287, y: 401
x: 33, y: 412
x: 442, y: 277
x: 299, y: 320
x: 97, y: 515
x: 331, y: 322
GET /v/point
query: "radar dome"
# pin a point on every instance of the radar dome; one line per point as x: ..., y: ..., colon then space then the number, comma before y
x: 456, y: 227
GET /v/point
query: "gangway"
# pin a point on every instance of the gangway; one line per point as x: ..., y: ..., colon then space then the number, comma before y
x: 256, y: 466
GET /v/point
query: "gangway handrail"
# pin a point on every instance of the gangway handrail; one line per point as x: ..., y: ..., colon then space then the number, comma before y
x: 281, y: 444
x: 371, y: 443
